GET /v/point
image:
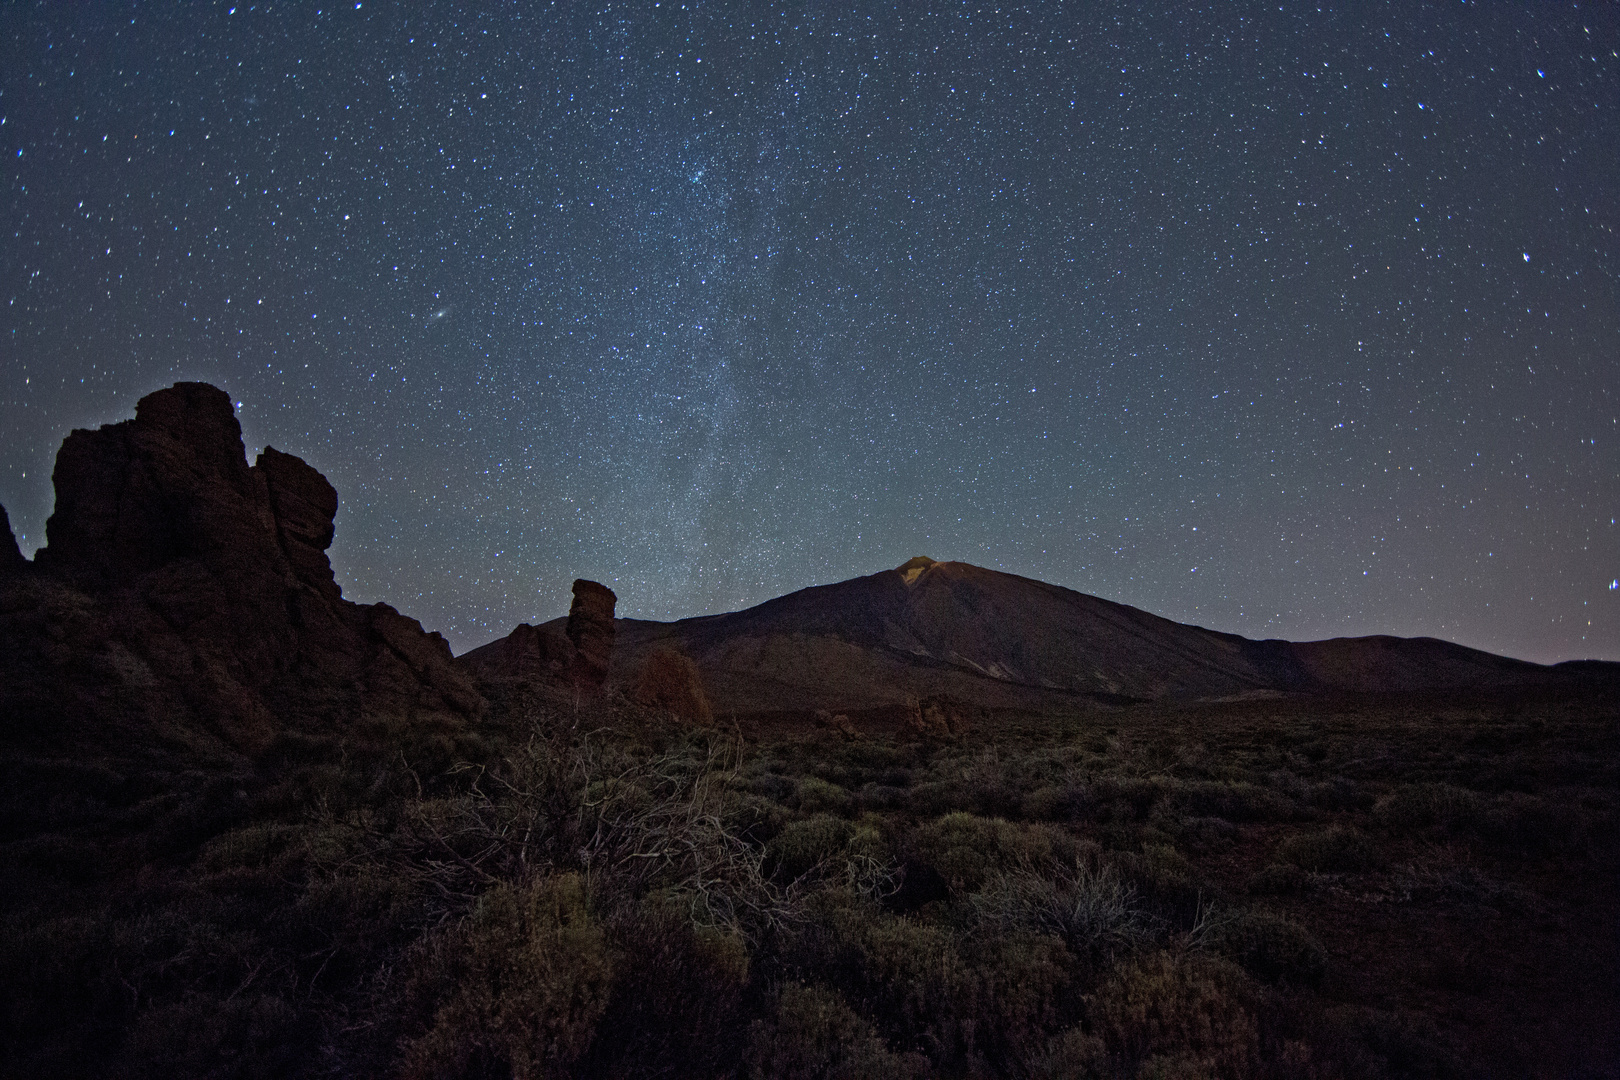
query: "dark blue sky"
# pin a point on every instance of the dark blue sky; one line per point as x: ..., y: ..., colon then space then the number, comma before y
x: 1289, y: 320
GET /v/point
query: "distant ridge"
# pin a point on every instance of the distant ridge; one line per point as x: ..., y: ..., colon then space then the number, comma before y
x: 952, y: 630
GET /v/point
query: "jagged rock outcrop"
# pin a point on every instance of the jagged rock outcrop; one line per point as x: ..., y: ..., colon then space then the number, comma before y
x: 184, y: 592
x: 590, y: 629
x: 12, y: 562
x: 671, y: 681
x: 840, y: 723
x: 528, y: 654
x: 562, y: 660
x: 933, y: 718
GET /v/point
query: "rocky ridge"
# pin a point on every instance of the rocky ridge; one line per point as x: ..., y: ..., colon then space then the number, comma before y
x: 187, y: 595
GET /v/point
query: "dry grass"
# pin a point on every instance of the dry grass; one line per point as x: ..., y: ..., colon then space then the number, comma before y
x: 1276, y: 889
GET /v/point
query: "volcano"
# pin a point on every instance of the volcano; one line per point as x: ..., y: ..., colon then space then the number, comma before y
x: 980, y: 637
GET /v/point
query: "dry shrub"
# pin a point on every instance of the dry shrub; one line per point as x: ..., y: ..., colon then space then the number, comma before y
x: 630, y: 821
x: 1128, y: 798
x: 965, y: 849
x: 814, y: 1035
x: 1558, y: 825
x: 1336, y: 849
x: 954, y: 998
x: 1446, y: 879
x: 518, y: 988
x: 1268, y: 946
x: 671, y: 681
x: 1279, y: 879
x: 1164, y: 880
x: 911, y: 977
x: 679, y: 1004
x: 962, y: 848
x: 1071, y: 1055
x: 1234, y: 801
x: 805, y: 845
x: 818, y: 796
x: 1019, y: 985
x: 1187, y: 1015
x: 248, y: 1037
x: 1053, y: 802
x: 931, y: 797
x: 1093, y: 912
x: 1413, y: 807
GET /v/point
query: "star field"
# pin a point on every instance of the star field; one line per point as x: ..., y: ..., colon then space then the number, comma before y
x: 1286, y: 320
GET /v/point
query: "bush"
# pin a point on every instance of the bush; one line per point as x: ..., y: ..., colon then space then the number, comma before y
x: 1414, y: 807
x: 249, y: 1036
x: 1017, y: 986
x: 814, y: 1035
x: 1339, y: 793
x: 955, y: 998
x: 1129, y: 798
x: 1164, y: 880
x: 1071, y: 1055
x: 1338, y: 848
x: 962, y: 848
x: 1093, y: 912
x: 1239, y: 801
x: 519, y: 988
x: 1171, y: 1015
x: 679, y: 1001
x: 908, y: 976
x: 803, y: 845
x: 1279, y: 879
x: 1560, y: 826
x: 818, y: 796
x: 1268, y: 947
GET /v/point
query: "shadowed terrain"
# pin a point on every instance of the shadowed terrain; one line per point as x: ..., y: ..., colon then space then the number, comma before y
x: 937, y: 821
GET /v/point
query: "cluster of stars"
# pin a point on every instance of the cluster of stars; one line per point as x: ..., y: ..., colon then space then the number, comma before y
x: 1283, y: 321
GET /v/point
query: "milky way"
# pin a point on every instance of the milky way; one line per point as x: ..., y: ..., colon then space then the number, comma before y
x: 1282, y: 320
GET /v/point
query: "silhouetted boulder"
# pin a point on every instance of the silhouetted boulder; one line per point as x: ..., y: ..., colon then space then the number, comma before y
x: 182, y: 591
x: 590, y: 628
x: 671, y: 681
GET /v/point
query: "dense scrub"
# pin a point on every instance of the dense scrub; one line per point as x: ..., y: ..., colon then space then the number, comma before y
x: 1260, y: 890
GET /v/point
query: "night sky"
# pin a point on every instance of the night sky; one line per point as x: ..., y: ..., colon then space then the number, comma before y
x: 1286, y: 320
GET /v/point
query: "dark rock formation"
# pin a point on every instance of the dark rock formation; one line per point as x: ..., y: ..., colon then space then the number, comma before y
x: 590, y: 628
x: 528, y: 654
x: 562, y: 662
x: 671, y: 681
x: 933, y: 718
x: 840, y: 723
x: 184, y: 592
x: 303, y: 505
x: 12, y: 562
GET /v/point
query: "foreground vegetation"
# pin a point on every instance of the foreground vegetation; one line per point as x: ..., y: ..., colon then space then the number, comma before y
x: 1265, y: 889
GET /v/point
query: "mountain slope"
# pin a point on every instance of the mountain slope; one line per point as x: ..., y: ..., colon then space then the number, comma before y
x: 950, y: 629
